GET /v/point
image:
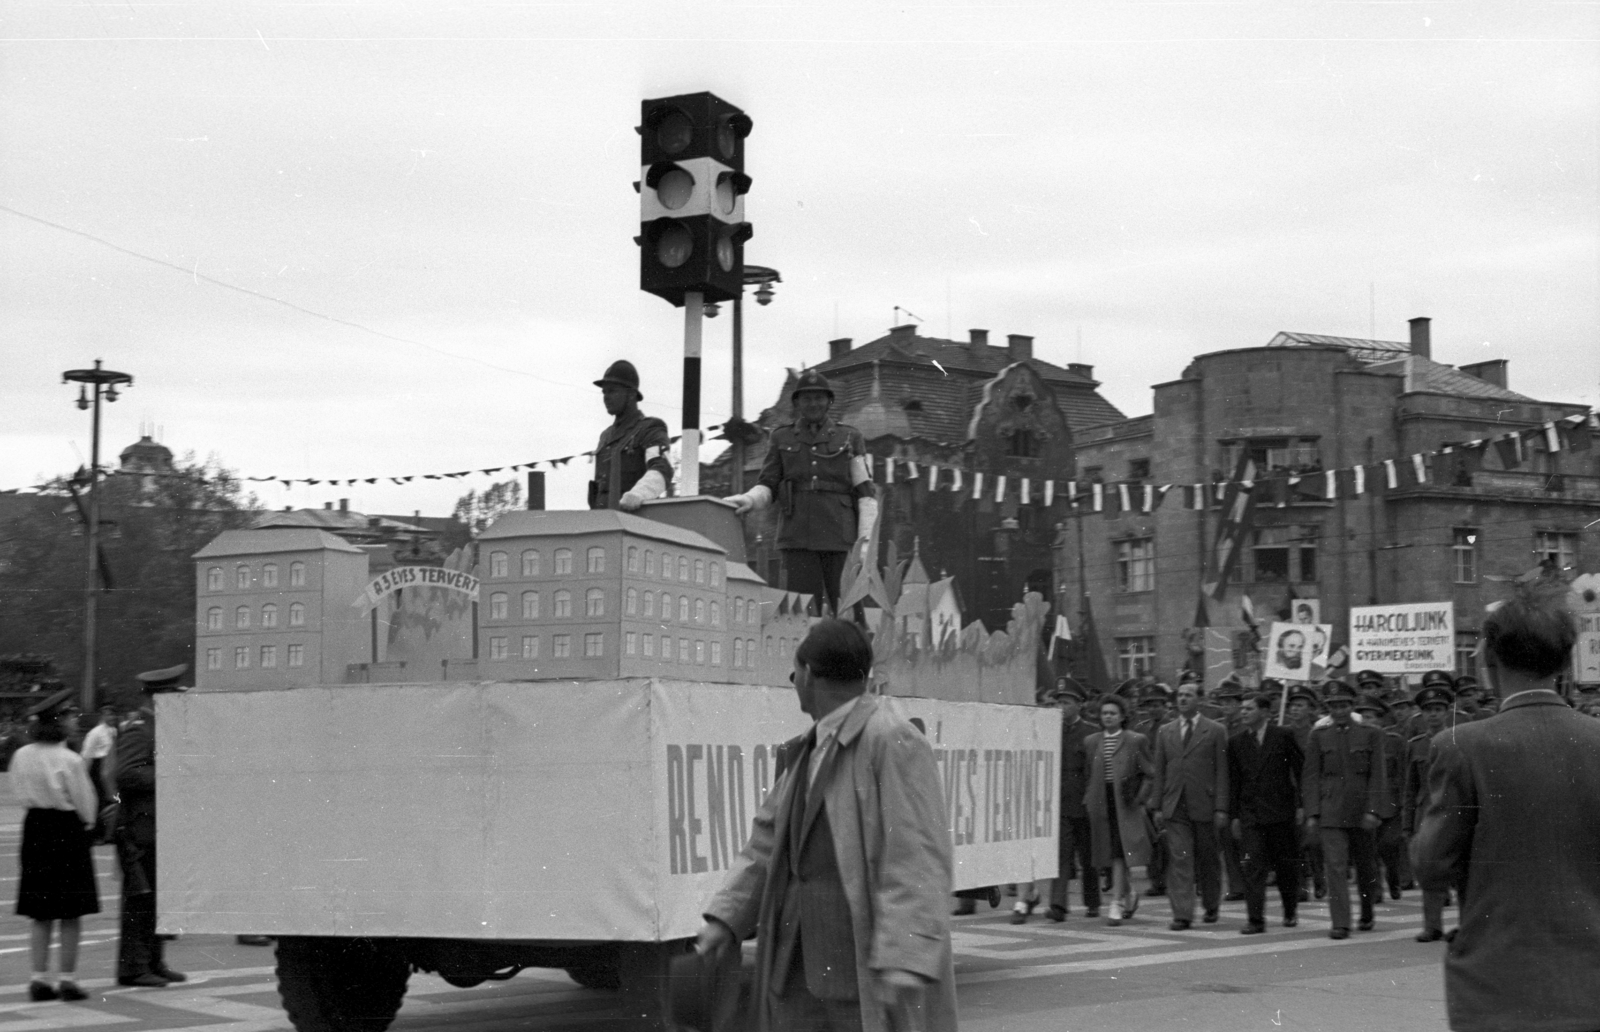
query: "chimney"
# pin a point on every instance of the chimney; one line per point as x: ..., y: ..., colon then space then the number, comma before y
x: 288, y: 508
x: 327, y: 505
x: 1421, y: 340
x: 1493, y: 371
x: 372, y: 521
x: 1020, y: 348
x: 907, y: 330
x: 838, y: 348
x: 536, y: 489
x: 1082, y: 369
x: 344, y: 505
x: 978, y: 337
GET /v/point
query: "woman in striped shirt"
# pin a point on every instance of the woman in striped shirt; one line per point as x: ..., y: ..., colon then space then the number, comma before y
x: 1118, y: 787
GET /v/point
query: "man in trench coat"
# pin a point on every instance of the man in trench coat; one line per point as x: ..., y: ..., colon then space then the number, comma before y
x: 847, y: 875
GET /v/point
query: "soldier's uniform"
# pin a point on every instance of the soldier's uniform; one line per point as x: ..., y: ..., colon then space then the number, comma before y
x: 1435, y: 691
x: 139, y: 950
x: 1232, y: 861
x: 1155, y: 702
x: 1311, y: 849
x: 633, y: 445
x: 1390, y: 839
x: 1344, y: 781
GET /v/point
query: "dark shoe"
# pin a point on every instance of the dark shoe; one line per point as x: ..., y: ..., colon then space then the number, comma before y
x: 170, y: 975
x: 1209, y: 917
x: 253, y: 940
x: 70, y: 992
x: 1291, y: 921
x: 1364, y: 925
x: 1092, y: 912
x: 1450, y: 936
x: 1019, y: 914
x: 1430, y: 935
x: 1305, y: 897
x: 39, y: 992
x: 1178, y: 925
x: 1131, y: 907
x: 1322, y: 892
x: 148, y: 980
x: 1253, y: 929
x: 1394, y: 892
x: 1339, y: 933
x: 1233, y: 897
x: 1408, y: 886
x: 1056, y: 914
x: 1155, y: 892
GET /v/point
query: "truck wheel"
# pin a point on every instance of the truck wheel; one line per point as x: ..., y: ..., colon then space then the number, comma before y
x: 597, y: 976
x: 340, y: 985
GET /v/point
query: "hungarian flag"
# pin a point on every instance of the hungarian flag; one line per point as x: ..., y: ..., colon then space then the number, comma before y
x: 1238, y: 508
x: 1063, y: 632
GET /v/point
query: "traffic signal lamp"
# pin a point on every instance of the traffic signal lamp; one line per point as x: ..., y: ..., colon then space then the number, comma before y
x: 691, y: 197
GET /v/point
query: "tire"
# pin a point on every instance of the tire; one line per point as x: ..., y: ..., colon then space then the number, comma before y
x: 597, y: 976
x: 340, y: 985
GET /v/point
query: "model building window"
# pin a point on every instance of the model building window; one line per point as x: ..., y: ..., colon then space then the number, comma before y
x: 683, y: 609
x: 297, y: 614
x: 499, y: 602
x: 1022, y: 444
x: 683, y: 568
x: 241, y: 577
x: 699, y: 571
x: 530, y: 646
x: 716, y: 575
x: 633, y: 559
x: 499, y: 648
x: 241, y: 657
x: 563, y: 560
x: 700, y: 653
x: 297, y: 655
x: 241, y: 617
x: 649, y: 645
x: 738, y: 610
x: 269, y: 575
x: 269, y: 615
x: 716, y: 653
x: 666, y: 566
x: 1136, y: 657
x: 563, y: 603
x: 499, y: 564
x: 269, y: 656
x: 213, y: 659
x: 297, y: 575
x: 1139, y: 469
x: 649, y: 603
x: 561, y: 646
x: 1136, y: 564
x: 530, y: 605
x: 214, y: 579
x: 630, y: 602
x: 1464, y: 548
x: 214, y: 618
x: 699, y: 610
x: 716, y: 614
x: 1553, y: 548
x: 666, y: 606
x: 683, y: 651
x: 530, y: 562
x: 597, y: 560
x: 738, y: 653
x: 649, y: 563
x: 1273, y: 455
x: 593, y: 645
x: 594, y: 602
x: 630, y: 643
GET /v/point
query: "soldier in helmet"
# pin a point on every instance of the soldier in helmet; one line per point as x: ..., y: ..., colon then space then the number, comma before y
x: 817, y: 471
x: 630, y: 462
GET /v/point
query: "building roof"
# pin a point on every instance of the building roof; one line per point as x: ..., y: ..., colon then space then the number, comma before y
x: 741, y: 572
x: 146, y: 454
x: 337, y: 520
x: 1394, y: 357
x: 549, y: 523
x: 275, y: 539
x: 1365, y: 350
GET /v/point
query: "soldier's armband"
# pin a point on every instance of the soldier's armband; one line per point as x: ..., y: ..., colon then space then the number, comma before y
x: 860, y: 473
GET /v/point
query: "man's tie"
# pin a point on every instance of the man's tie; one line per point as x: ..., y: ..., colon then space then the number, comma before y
x: 1188, y: 726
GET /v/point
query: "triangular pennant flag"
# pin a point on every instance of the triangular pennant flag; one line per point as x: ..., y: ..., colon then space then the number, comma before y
x: 888, y: 469
x: 495, y: 470
x: 1552, y: 440
x: 1099, y: 491
x: 313, y: 481
x: 1122, y: 497
x: 933, y: 477
x: 1330, y: 486
x: 431, y: 476
x: 287, y: 484
x: 1509, y: 448
x: 911, y: 470
x: 1391, y: 476
x: 956, y: 487
x: 1419, y: 466
x: 977, y: 485
x: 395, y: 480
x: 1049, y: 493
x: 1072, y: 493
x: 1160, y: 496
x: 1579, y: 436
x: 1000, y: 488
x: 1360, y: 474
x: 1027, y: 491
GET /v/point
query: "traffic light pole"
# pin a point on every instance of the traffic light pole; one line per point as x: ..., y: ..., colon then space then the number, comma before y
x: 693, y: 316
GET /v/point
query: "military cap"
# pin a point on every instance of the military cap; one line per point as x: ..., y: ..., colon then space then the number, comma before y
x: 1302, y: 692
x: 1439, y: 678
x: 55, y: 700
x: 1397, y: 697
x: 1155, y: 692
x: 1366, y: 677
x: 1271, y: 684
x: 811, y: 380
x: 163, y: 680
x: 621, y: 373
x: 1188, y: 677
x: 1372, y: 704
x: 1339, y: 691
x: 1067, y: 688
x: 1229, y: 689
x: 1467, y: 683
x: 1431, y: 695
x: 1128, y: 689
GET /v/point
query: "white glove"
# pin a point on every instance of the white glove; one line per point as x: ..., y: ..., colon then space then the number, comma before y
x: 758, y: 497
x: 650, y: 486
x: 866, y: 519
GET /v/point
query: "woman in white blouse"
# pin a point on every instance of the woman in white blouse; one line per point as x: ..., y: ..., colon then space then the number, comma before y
x: 1118, y: 785
x: 56, y: 883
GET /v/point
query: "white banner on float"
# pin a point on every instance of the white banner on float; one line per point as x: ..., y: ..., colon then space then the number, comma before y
x: 1408, y: 638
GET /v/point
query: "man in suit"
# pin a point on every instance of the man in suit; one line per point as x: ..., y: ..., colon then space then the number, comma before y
x: 1345, y: 793
x: 1264, y: 767
x: 1511, y: 816
x: 847, y: 873
x: 1075, y: 849
x: 1230, y: 697
x: 1191, y: 806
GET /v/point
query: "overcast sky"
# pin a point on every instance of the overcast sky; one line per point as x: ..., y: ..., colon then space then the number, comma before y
x: 1156, y: 180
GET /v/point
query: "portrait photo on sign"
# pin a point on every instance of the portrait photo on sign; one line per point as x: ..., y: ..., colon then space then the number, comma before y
x: 1296, y: 651
x: 1305, y: 610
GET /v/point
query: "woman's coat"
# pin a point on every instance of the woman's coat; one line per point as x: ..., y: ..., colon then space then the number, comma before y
x: 1131, y: 760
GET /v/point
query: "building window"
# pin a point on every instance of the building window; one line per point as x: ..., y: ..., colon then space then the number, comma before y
x: 241, y: 577
x: 683, y: 651
x: 666, y: 607
x: 630, y: 602
x: 1136, y: 657
x: 499, y: 603
x: 1273, y: 455
x: 499, y: 564
x: 699, y: 610
x: 738, y: 610
x: 1022, y: 444
x: 594, y: 603
x: 1136, y: 564
x: 683, y: 568
x: 700, y: 653
x: 563, y: 603
x: 241, y: 657
x: 666, y: 566
x: 530, y: 562
x: 649, y: 563
x: 630, y: 643
x: 716, y: 614
x: 1553, y: 548
x: 530, y: 646
x: 499, y: 648
x: 683, y: 609
x: 1279, y: 554
x: 716, y: 653
x: 593, y: 645
x: 1139, y: 469
x: 1466, y: 652
x: 214, y: 618
x: 649, y: 603
x: 699, y: 571
x: 269, y: 656
x: 214, y: 579
x: 716, y: 574
x: 561, y: 646
x: 563, y: 560
x: 297, y: 575
x: 269, y: 575
x: 297, y: 615
x: 738, y: 653
x: 596, y: 559
x: 530, y: 605
x: 269, y: 615
x: 241, y: 617
x: 297, y: 655
x: 214, y: 658
x: 1464, y: 547
x: 1093, y: 474
x: 633, y: 559
x: 769, y: 644
x: 649, y: 645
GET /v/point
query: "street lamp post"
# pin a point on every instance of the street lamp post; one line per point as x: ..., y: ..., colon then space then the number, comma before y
x: 739, y: 433
x: 105, y: 383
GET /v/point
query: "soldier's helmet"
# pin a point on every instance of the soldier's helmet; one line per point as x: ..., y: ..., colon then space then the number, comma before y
x: 621, y: 373
x: 164, y: 680
x: 811, y: 380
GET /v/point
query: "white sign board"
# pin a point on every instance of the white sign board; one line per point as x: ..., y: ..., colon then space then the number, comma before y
x: 1586, y: 656
x: 1297, y: 651
x: 1408, y: 638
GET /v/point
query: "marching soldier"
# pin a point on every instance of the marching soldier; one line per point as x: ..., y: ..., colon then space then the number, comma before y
x: 1154, y: 704
x: 1302, y: 713
x: 1469, y: 697
x: 1230, y: 696
x: 1345, y: 794
x: 630, y: 462
x: 817, y: 470
x: 1390, y: 840
x: 1436, y: 700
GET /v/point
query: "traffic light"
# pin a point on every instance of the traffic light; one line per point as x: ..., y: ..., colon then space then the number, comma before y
x: 691, y: 197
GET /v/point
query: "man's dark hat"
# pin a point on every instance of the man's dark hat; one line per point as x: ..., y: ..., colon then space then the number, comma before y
x: 1439, y: 678
x: 702, y: 992
x: 1271, y: 684
x: 621, y: 373
x: 51, y: 702
x: 163, y: 680
x: 1339, y: 690
x: 1229, y: 689
x: 1128, y: 689
x: 1467, y: 683
x: 1067, y: 688
x: 811, y: 380
x: 1372, y: 704
x: 1155, y: 693
x: 1366, y: 677
x: 1305, y: 693
x: 1431, y: 694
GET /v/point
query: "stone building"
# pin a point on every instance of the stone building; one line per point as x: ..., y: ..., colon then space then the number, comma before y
x: 967, y: 404
x: 1306, y: 404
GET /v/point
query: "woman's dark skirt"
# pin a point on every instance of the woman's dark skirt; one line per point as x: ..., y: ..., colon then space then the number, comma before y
x: 57, y: 867
x: 1114, y: 823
